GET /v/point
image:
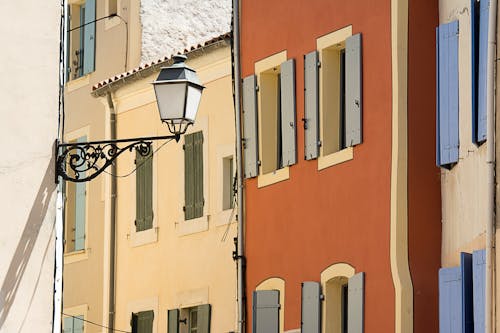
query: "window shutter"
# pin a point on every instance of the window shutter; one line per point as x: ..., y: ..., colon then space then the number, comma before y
x: 484, y: 8
x: 353, y: 91
x: 447, y: 93
x: 80, y: 207
x: 479, y: 291
x: 311, y: 307
x: 204, y: 313
x: 250, y: 129
x: 266, y: 309
x: 474, y: 23
x: 144, y: 191
x: 288, y: 113
x: 355, y: 303
x: 173, y: 321
x: 89, y: 39
x: 311, y: 106
x: 78, y: 324
x: 198, y: 173
x: 455, y: 297
x: 68, y: 325
x: 145, y: 321
x: 188, y: 177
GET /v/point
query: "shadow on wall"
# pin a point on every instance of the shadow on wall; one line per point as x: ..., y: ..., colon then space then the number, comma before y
x: 27, y: 242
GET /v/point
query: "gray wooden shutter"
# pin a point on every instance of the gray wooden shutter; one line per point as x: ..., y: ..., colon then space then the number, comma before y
x: 198, y: 173
x: 250, y: 127
x: 266, y: 309
x: 89, y: 38
x: 311, y: 106
x: 173, y: 321
x: 80, y: 208
x: 204, y: 313
x: 311, y: 307
x: 78, y: 324
x: 355, y: 304
x: 288, y: 113
x: 145, y: 321
x: 144, y: 191
x: 68, y: 325
x: 353, y: 91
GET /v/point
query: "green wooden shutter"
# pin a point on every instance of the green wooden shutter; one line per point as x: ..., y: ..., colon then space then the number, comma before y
x: 193, y: 175
x: 144, y: 191
x: 145, y: 321
x: 173, y: 321
x: 188, y: 177
x: 198, y: 174
x: 204, y: 313
x: 80, y: 205
x: 89, y: 38
x: 68, y: 325
x: 78, y: 324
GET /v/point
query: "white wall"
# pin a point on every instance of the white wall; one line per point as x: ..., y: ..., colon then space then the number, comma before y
x: 28, y: 127
x: 169, y: 26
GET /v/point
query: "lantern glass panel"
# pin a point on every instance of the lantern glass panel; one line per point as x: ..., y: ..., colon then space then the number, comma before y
x: 170, y: 98
x: 192, y: 102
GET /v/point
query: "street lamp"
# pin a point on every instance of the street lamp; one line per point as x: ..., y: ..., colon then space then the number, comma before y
x: 178, y: 93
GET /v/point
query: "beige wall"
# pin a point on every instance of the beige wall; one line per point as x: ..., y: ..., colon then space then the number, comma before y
x: 178, y: 263
x: 463, y: 188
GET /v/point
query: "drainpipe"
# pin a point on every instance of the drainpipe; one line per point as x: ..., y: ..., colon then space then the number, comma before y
x: 490, y: 160
x: 239, y: 161
x: 112, y: 239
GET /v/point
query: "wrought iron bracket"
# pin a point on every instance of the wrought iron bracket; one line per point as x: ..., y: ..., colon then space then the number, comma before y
x: 83, y: 161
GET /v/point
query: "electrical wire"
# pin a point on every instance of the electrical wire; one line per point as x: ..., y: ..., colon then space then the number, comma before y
x: 96, y: 324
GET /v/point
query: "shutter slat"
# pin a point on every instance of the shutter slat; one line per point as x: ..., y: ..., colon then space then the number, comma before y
x: 484, y: 8
x: 173, y: 321
x: 355, y: 303
x: 204, y: 313
x: 266, y: 309
x: 311, y: 106
x: 188, y: 177
x: 479, y: 290
x: 353, y: 91
x: 288, y: 113
x: 250, y: 129
x: 89, y: 39
x: 311, y: 307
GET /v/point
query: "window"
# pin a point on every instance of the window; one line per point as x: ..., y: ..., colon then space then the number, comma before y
x: 194, y: 319
x: 228, y: 183
x: 193, y: 175
x: 269, y: 116
x: 112, y: 7
x: 81, y: 39
x: 142, y: 322
x: 333, y: 96
x: 73, y: 324
x: 75, y: 212
x: 144, y: 191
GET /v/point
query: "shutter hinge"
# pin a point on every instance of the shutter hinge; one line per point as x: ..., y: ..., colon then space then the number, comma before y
x: 183, y: 208
x: 256, y: 88
x: 319, y: 63
x: 259, y: 162
x: 319, y: 143
x: 135, y: 223
x: 183, y: 147
x: 244, y: 143
x: 305, y: 122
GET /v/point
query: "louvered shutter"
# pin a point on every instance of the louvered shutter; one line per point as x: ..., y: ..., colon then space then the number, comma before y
x: 78, y: 324
x: 479, y: 291
x: 145, y: 321
x: 68, y: 325
x: 198, y: 173
x: 204, y: 313
x: 447, y: 94
x: 474, y: 22
x: 80, y: 208
x: 355, y: 303
x: 311, y: 106
x: 89, y: 38
x: 353, y: 91
x: 250, y: 127
x: 266, y: 309
x: 288, y: 113
x: 144, y: 191
x: 311, y: 307
x: 173, y: 321
x: 484, y: 9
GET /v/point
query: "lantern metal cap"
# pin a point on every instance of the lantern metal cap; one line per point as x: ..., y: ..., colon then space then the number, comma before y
x: 178, y: 71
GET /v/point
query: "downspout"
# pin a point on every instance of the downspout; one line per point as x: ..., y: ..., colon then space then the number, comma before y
x: 239, y: 161
x: 112, y: 239
x: 490, y: 160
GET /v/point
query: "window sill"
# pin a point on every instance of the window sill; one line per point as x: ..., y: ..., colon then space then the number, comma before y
x: 139, y: 238
x: 75, y: 256
x: 194, y: 226
x: 273, y: 177
x: 341, y: 156
x: 74, y: 84
x: 224, y: 217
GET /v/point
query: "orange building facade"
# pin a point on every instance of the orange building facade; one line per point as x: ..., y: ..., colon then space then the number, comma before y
x: 365, y: 203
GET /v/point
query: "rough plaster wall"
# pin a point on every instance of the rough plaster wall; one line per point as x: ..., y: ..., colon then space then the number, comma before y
x: 169, y: 26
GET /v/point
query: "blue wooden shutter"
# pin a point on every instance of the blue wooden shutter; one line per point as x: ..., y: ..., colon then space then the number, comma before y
x: 353, y: 91
x: 173, y: 321
x: 479, y: 292
x: 250, y: 127
x: 80, y: 208
x: 356, y: 303
x: 266, y: 309
x: 484, y: 8
x: 89, y: 38
x: 68, y: 325
x: 288, y: 115
x: 474, y: 23
x: 447, y: 93
x: 455, y: 297
x: 311, y: 105
x: 78, y: 324
x: 311, y: 307
x: 204, y: 314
